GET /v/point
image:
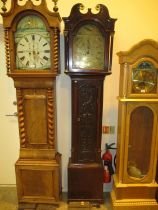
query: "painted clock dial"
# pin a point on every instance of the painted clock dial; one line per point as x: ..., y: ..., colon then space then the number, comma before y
x: 32, y: 44
x: 88, y: 48
x: 144, y: 78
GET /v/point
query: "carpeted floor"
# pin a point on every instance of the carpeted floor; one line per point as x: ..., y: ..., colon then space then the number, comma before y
x: 8, y: 201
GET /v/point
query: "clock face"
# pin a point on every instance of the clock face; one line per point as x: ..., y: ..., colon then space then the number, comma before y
x: 144, y: 78
x: 33, y: 52
x: 32, y: 44
x: 88, y: 48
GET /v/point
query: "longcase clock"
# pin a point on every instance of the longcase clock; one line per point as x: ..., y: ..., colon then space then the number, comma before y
x: 135, y: 182
x: 32, y: 48
x: 88, y: 58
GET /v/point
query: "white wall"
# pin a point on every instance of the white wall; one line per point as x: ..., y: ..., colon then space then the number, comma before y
x: 137, y: 20
x: 9, y: 142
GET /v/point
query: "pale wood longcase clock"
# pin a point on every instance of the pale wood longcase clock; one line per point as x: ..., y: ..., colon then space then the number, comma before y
x: 88, y: 58
x: 135, y: 182
x: 32, y: 48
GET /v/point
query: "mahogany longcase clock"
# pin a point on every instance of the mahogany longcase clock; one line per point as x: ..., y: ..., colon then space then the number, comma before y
x: 135, y: 182
x: 88, y: 58
x: 32, y: 48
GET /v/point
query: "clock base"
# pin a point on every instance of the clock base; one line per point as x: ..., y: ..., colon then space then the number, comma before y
x: 157, y: 182
x: 140, y: 196
x: 38, y: 181
x: 133, y: 204
x: 34, y: 206
x: 85, y: 182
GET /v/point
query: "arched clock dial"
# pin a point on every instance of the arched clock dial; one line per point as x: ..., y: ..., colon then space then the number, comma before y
x: 88, y: 48
x: 33, y: 51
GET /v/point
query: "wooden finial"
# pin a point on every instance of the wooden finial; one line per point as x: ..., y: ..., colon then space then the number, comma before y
x: 97, y: 7
x: 4, y: 9
x: 55, y: 8
x: 82, y: 7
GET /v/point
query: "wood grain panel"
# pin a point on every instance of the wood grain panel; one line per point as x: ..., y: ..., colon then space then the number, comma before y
x: 37, y: 182
x: 35, y: 116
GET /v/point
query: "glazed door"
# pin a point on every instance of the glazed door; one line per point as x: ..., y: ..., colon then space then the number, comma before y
x: 140, y: 142
x: 86, y: 120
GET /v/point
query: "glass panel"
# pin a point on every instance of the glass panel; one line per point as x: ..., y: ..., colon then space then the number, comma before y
x: 88, y: 48
x: 32, y: 44
x: 140, y: 139
x: 144, y: 78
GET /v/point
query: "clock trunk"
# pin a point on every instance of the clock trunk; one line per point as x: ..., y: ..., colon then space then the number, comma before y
x: 85, y: 161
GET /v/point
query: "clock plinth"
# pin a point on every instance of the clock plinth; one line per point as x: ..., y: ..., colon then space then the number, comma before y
x: 38, y: 181
x: 32, y: 40
x: 81, y: 183
x: 135, y: 183
x: 138, y: 197
x: 88, y: 53
x: 157, y: 182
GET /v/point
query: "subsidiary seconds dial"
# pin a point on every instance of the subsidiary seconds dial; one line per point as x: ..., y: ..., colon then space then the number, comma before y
x: 33, y: 52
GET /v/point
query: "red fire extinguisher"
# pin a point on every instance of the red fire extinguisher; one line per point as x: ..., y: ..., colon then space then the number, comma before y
x: 107, y: 161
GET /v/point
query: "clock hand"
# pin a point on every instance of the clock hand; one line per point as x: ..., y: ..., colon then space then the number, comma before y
x: 34, y: 52
x: 30, y: 55
x: 88, y: 46
x: 147, y: 82
x: 141, y: 74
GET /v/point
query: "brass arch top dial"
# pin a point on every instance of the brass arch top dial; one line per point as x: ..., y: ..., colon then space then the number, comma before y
x: 88, y: 48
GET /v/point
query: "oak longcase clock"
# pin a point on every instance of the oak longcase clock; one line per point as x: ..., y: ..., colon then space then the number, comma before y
x: 135, y: 182
x: 88, y: 58
x: 32, y: 40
